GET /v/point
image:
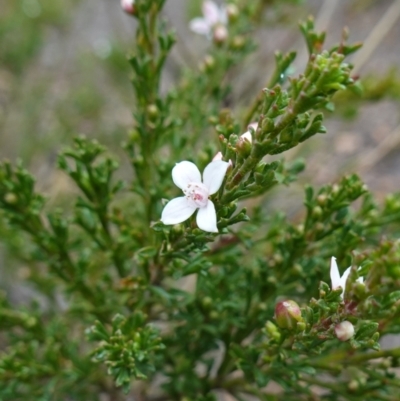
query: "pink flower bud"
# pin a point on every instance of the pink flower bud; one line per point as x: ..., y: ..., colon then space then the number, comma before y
x: 287, y: 314
x: 344, y: 330
x: 129, y: 6
x: 220, y: 34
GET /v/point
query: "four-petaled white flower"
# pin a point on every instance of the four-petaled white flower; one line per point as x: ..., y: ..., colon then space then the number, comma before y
x: 187, y: 177
x: 214, y: 21
x: 340, y: 281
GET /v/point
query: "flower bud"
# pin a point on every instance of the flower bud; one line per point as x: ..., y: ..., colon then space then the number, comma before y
x: 220, y: 34
x: 344, y: 330
x: 152, y: 111
x: 129, y: 6
x: 386, y: 363
x: 317, y: 212
x: 278, y: 258
x: 287, y: 314
x: 272, y: 331
x: 321, y: 199
x: 207, y: 302
x: 243, y: 145
x: 360, y: 289
x: 209, y: 62
x: 353, y: 385
x: 232, y: 11
x: 238, y: 42
x: 297, y: 269
x: 177, y: 228
x: 299, y: 229
x: 10, y: 198
x: 335, y: 189
x: 301, y: 326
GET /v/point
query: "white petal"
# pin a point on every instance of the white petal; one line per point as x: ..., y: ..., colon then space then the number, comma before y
x: 214, y: 174
x: 360, y: 279
x: 184, y: 173
x: 344, y: 279
x: 200, y: 26
x: 176, y: 211
x: 254, y: 126
x: 211, y: 12
x: 206, y: 218
x: 335, y: 276
x: 218, y: 156
x: 247, y: 135
x: 223, y: 16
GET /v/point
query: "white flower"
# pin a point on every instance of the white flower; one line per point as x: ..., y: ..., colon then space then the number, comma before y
x: 338, y: 281
x: 213, y: 19
x: 187, y: 177
x: 128, y: 6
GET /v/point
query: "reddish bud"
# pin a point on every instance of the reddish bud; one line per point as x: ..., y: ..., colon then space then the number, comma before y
x: 220, y: 34
x: 129, y: 6
x: 287, y: 314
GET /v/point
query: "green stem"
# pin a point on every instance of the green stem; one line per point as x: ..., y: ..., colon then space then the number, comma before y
x: 342, y: 358
x: 249, y: 164
x: 395, y: 352
x: 330, y: 386
x: 252, y: 110
x: 63, y: 267
x: 101, y: 208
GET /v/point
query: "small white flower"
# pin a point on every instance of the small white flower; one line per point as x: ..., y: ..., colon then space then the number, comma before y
x: 128, y: 6
x: 213, y: 19
x: 340, y: 281
x: 187, y: 177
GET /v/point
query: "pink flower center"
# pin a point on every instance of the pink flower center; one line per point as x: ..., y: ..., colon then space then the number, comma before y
x: 197, y: 194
